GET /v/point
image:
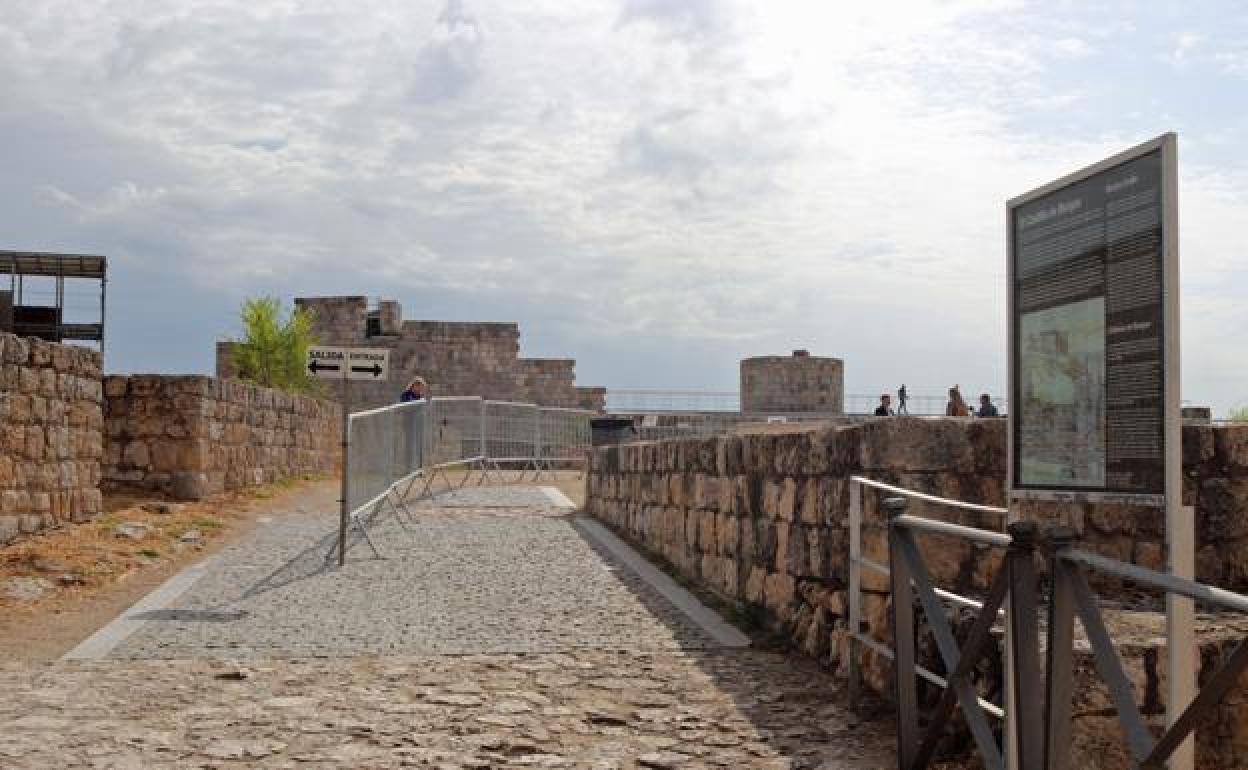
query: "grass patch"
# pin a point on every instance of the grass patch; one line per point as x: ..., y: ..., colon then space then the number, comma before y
x: 206, y: 522
x: 149, y: 553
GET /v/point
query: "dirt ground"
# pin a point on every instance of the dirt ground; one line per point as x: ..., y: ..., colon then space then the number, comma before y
x: 93, y: 574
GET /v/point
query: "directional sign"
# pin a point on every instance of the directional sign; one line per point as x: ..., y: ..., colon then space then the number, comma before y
x: 368, y: 364
x: 334, y: 363
x: 327, y: 363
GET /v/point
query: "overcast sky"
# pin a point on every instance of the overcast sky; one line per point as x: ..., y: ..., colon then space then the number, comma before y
x: 656, y: 188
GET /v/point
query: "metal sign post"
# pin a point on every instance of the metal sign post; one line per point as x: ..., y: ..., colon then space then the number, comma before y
x: 1094, y: 359
x: 344, y: 365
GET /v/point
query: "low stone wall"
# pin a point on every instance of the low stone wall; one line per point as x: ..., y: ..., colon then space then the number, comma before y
x: 50, y: 423
x: 761, y: 519
x: 192, y: 436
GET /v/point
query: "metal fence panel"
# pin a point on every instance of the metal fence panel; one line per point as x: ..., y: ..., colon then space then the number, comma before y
x: 513, y: 431
x: 455, y: 430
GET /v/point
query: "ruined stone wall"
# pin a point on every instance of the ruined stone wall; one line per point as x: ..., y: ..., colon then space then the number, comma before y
x: 762, y: 520
x: 548, y: 381
x: 455, y: 358
x: 792, y: 384
x: 591, y: 397
x: 192, y: 436
x: 50, y: 424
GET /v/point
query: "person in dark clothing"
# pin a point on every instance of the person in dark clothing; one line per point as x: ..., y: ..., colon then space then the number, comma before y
x: 415, y: 390
x: 884, y: 409
x: 986, y: 407
x: 901, y: 400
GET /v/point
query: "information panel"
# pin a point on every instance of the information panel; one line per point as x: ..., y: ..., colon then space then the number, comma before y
x: 1089, y: 266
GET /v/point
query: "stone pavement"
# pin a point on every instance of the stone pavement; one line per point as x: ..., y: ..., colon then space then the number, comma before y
x: 484, y: 640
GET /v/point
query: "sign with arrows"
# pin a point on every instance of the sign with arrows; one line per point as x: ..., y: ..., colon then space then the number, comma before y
x: 368, y: 364
x: 334, y: 363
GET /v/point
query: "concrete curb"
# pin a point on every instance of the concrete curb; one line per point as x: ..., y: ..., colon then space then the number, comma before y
x: 104, y: 641
x: 558, y: 498
x: 709, y: 620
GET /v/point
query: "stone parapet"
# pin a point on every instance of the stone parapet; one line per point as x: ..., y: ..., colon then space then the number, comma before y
x: 192, y: 436
x: 50, y: 425
x: 761, y: 519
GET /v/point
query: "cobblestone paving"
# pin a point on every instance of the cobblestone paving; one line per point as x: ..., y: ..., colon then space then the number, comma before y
x: 584, y: 709
x: 488, y: 639
x: 492, y: 497
x: 467, y: 583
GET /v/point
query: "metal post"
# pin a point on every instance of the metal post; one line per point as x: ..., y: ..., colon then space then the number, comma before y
x: 484, y: 453
x: 1061, y: 643
x: 855, y: 591
x: 1020, y: 560
x: 903, y: 633
x: 344, y: 511
x: 1181, y: 649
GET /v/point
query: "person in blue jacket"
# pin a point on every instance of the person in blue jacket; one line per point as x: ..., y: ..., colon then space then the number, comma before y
x: 415, y: 390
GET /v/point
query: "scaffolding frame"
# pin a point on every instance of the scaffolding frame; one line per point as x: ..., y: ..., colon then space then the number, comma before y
x: 20, y: 265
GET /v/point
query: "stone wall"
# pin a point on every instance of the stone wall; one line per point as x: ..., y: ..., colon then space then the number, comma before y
x: 553, y: 380
x: 192, y: 436
x: 591, y: 397
x: 455, y: 358
x: 792, y: 384
x: 50, y: 424
x: 761, y: 519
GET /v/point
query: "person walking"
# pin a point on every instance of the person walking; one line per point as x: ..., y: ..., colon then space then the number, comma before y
x: 884, y: 409
x: 957, y: 406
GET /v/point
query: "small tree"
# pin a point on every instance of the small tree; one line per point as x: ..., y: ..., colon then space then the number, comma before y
x: 1240, y: 414
x: 273, y: 351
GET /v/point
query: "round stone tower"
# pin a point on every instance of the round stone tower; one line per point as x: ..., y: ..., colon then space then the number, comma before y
x: 793, y: 384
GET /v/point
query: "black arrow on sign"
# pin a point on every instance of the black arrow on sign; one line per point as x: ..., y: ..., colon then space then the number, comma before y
x: 375, y: 369
x: 317, y: 366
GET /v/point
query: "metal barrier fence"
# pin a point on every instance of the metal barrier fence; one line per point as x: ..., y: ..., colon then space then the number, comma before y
x: 1038, y: 701
x: 391, y: 451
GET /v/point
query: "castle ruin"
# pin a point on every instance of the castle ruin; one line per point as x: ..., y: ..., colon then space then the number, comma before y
x: 457, y: 358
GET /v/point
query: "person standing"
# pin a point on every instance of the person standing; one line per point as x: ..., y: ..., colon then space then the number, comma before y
x: 884, y: 410
x: 901, y: 400
x: 415, y: 391
x: 413, y: 421
x: 957, y: 406
x: 986, y: 407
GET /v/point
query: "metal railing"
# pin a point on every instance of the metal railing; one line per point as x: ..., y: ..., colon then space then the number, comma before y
x: 857, y: 561
x: 646, y: 400
x: 1038, y: 702
x: 391, y: 451
x: 1072, y: 597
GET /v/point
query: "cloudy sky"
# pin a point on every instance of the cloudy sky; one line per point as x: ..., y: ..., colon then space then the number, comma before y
x: 656, y: 188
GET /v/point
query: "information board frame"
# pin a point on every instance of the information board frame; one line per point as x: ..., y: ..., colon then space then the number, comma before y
x: 1166, y: 147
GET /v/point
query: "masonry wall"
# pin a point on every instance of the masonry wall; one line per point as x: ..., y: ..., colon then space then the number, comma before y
x: 456, y: 358
x: 50, y: 427
x: 193, y: 436
x: 762, y: 520
x: 792, y: 384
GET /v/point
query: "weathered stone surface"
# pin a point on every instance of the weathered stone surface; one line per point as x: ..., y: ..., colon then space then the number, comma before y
x: 50, y: 435
x: 192, y: 436
x: 781, y: 517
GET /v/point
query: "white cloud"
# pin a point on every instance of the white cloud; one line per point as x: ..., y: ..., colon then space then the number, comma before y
x: 728, y: 173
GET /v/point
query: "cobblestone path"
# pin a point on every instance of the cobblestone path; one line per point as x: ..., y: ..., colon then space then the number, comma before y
x: 488, y: 638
